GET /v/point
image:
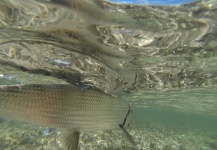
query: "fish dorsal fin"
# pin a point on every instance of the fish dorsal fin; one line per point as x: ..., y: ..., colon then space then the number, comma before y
x: 70, y: 140
x: 128, y: 136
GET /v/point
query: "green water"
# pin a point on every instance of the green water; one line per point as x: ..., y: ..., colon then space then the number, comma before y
x: 178, y: 119
x: 193, y: 131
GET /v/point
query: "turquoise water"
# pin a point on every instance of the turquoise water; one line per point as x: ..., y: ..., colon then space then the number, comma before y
x: 160, y: 59
x: 202, y: 122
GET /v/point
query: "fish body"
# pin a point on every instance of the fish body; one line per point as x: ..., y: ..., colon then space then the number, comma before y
x: 63, y: 106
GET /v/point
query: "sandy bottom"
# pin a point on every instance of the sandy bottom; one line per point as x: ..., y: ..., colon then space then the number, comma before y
x: 148, y: 136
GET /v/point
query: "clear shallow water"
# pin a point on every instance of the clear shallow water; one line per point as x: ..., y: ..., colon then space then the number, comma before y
x: 164, y: 57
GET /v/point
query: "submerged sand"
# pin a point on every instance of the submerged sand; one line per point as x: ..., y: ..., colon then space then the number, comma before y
x: 148, y: 136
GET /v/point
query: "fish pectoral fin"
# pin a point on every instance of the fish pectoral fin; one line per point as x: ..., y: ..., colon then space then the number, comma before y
x: 70, y: 140
x: 128, y: 136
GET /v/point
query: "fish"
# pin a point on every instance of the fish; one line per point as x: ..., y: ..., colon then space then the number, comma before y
x: 67, y: 107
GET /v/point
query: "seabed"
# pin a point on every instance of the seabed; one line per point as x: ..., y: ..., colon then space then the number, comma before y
x: 16, y: 135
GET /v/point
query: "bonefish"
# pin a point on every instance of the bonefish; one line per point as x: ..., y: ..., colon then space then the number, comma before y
x: 65, y: 107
